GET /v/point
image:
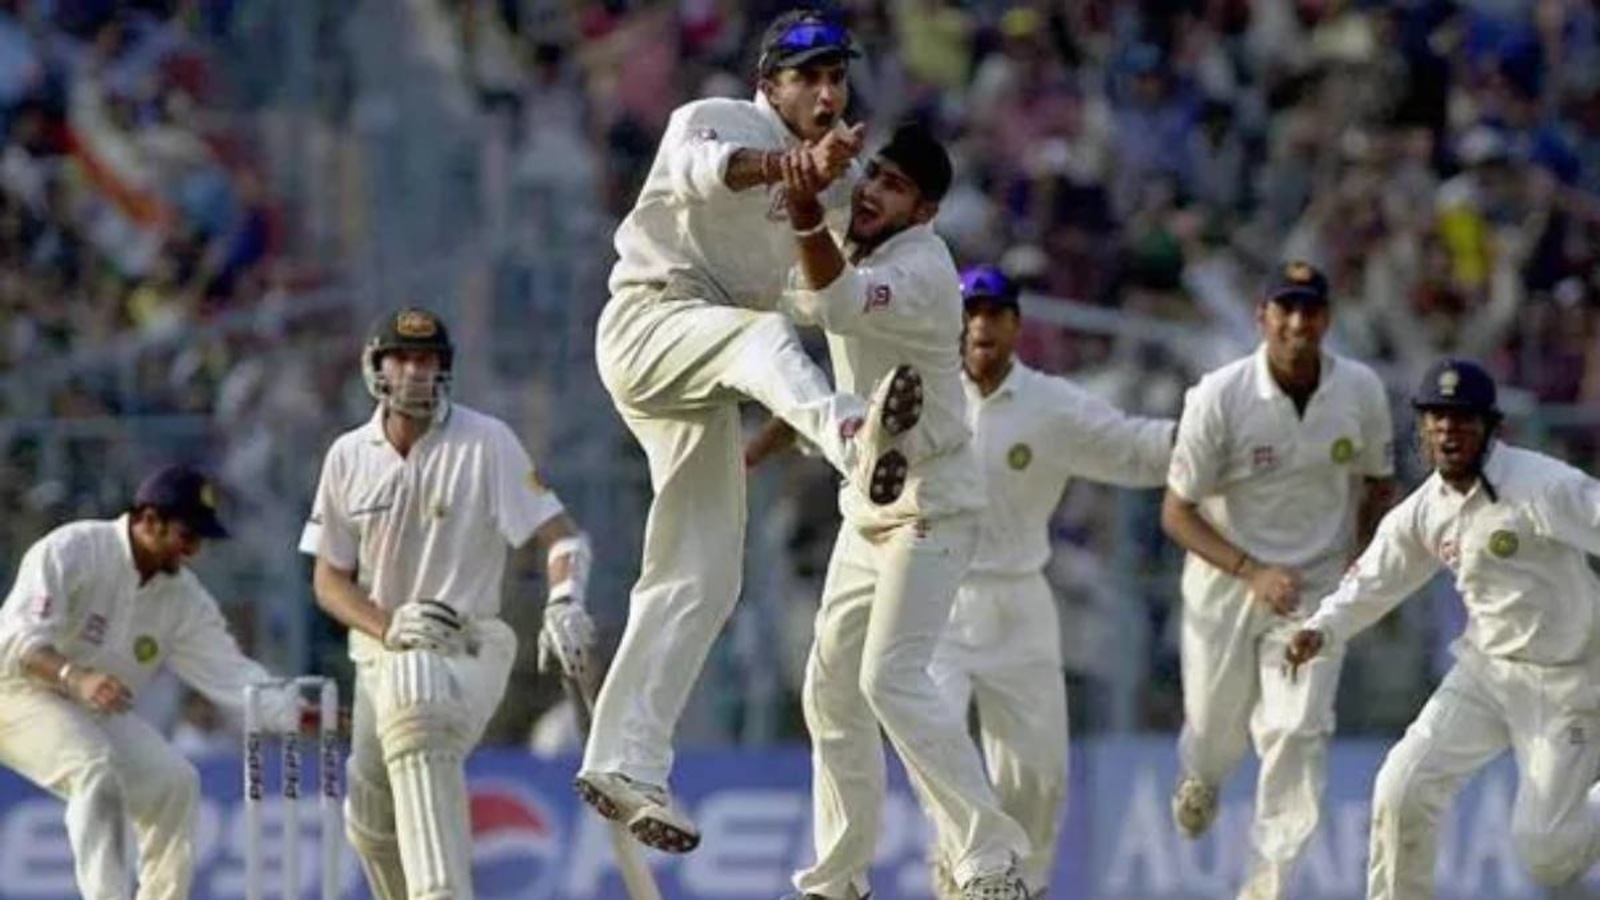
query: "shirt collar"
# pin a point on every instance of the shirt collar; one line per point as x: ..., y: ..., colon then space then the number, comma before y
x: 914, y: 233
x: 1267, y: 387
x: 769, y: 113
x: 376, y: 434
x: 1008, y: 386
x: 125, y: 542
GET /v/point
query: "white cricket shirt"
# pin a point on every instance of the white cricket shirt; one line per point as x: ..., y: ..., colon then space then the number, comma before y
x: 436, y: 524
x: 688, y: 225
x: 78, y: 591
x: 902, y: 305
x: 1519, y: 561
x: 1035, y: 434
x: 1283, y: 487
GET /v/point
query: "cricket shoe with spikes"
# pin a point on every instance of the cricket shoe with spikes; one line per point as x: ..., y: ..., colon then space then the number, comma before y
x: 647, y: 810
x: 1005, y: 885
x: 1194, y: 807
x: 882, y: 466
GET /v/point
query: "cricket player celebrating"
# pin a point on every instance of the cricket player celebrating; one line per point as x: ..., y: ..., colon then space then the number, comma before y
x: 1033, y: 434
x: 411, y: 526
x: 689, y: 332
x: 1281, y: 468
x: 1514, y: 528
x: 98, y: 609
x: 893, y: 302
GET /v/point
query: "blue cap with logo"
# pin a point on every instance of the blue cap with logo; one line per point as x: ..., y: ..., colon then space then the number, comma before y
x: 986, y: 285
x: 804, y: 36
x: 1457, y: 384
x: 182, y: 494
x: 1298, y: 282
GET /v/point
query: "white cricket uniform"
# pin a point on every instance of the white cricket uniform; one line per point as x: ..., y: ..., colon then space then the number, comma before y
x: 891, y: 581
x: 1527, y: 672
x: 1286, y: 489
x: 1033, y: 435
x: 436, y: 524
x: 78, y: 591
x: 689, y: 332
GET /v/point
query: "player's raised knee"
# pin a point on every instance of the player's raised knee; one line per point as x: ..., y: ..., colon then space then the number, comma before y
x: 1554, y: 857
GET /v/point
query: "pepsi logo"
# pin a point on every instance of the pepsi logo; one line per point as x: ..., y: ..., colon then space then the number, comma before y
x: 516, y: 840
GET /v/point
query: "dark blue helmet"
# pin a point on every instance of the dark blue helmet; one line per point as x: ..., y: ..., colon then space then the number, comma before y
x: 986, y: 284
x: 1457, y: 384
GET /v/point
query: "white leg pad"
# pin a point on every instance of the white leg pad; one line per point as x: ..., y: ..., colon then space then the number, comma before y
x: 369, y: 824
x: 433, y: 823
x: 424, y: 727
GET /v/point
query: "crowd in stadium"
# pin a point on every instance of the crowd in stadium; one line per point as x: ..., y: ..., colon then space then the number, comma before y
x: 1440, y: 160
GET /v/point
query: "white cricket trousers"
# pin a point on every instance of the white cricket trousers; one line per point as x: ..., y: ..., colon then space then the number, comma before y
x: 884, y: 608
x: 1002, y: 651
x: 110, y: 770
x: 1236, y: 692
x: 1548, y: 716
x: 677, y: 369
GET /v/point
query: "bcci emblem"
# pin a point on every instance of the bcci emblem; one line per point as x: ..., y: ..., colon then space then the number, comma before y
x: 414, y: 323
x: 145, y: 649
x: 1503, y: 544
x: 1298, y: 272
x: 1449, y: 380
x: 1343, y: 450
x: 1019, y: 456
x: 208, y: 495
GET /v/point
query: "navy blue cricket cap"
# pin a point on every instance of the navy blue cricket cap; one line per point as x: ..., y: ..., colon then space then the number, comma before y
x: 804, y: 36
x: 182, y: 494
x: 1298, y: 282
x: 1457, y: 384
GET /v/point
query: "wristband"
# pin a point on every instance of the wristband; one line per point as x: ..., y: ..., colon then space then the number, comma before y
x: 818, y: 228
x: 64, y: 673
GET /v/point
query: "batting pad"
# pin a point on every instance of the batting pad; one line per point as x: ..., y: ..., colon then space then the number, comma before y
x: 369, y: 824
x: 433, y: 823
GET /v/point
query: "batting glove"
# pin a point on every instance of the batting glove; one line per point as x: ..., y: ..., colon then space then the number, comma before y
x: 567, y: 638
x: 427, y: 625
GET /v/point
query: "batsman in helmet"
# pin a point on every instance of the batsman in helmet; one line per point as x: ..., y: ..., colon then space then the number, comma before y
x: 412, y: 522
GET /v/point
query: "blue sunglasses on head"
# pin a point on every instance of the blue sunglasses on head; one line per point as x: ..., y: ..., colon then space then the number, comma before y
x: 809, y: 35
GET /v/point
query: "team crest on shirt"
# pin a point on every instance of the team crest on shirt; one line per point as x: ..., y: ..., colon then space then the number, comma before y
x: 1343, y: 450
x: 1504, y: 544
x: 1263, y: 458
x: 1019, y: 456
x: 878, y: 297
x: 145, y: 649
x: 94, y: 630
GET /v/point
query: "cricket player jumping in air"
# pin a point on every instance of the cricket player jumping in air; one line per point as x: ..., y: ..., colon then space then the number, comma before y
x: 891, y: 299
x: 689, y: 332
x: 1516, y: 530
